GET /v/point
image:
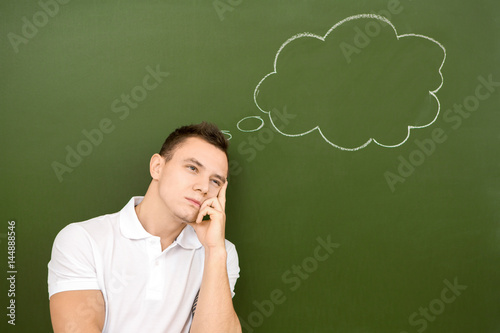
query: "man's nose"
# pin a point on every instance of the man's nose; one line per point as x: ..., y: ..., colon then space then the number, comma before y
x: 202, y: 185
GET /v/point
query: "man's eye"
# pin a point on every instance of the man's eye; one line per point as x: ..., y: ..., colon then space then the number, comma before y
x: 216, y: 182
x: 192, y: 167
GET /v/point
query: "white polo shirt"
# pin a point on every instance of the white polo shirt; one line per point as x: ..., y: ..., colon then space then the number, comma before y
x: 145, y: 289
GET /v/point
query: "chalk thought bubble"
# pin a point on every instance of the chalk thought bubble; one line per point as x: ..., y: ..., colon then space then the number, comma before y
x: 359, y: 83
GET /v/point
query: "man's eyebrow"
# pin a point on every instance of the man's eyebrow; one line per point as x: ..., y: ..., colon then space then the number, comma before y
x: 222, y: 179
x: 198, y: 163
x: 195, y: 161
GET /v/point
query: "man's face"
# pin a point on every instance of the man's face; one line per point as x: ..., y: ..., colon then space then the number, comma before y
x: 196, y: 172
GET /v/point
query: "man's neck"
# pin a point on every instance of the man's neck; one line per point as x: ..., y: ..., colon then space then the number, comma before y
x: 157, y: 222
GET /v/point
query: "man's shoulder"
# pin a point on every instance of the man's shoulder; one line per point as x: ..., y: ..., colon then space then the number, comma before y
x: 232, y: 254
x: 100, y: 223
x: 94, y: 228
x: 229, y: 246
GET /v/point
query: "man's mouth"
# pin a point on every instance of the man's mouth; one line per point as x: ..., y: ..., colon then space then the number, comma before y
x: 194, y: 202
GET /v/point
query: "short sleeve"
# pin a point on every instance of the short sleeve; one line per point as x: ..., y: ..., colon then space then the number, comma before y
x: 233, y: 268
x: 72, y: 264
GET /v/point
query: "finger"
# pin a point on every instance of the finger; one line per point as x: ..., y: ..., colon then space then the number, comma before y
x: 200, y: 216
x: 211, y: 202
x: 210, y: 211
x: 222, y: 195
x: 197, y: 225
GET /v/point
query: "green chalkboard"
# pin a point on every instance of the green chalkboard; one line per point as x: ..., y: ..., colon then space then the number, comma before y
x: 365, y: 173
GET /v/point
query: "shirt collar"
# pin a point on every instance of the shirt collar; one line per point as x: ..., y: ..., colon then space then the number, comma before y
x: 188, y: 239
x: 130, y: 225
x: 132, y: 228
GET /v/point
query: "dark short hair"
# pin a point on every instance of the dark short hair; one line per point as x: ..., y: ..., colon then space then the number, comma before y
x: 205, y: 131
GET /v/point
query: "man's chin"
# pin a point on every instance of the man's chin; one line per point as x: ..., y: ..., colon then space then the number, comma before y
x: 188, y: 219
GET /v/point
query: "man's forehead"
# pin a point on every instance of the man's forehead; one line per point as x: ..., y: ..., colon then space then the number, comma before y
x: 203, y: 153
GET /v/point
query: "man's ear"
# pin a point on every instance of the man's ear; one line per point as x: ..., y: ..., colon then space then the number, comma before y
x: 155, y: 165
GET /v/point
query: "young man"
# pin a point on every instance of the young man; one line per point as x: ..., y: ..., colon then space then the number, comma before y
x: 157, y: 265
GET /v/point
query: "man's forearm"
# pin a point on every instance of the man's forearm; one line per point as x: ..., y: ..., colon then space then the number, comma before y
x: 214, y: 310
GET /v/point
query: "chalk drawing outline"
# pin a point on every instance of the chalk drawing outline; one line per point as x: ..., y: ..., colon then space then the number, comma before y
x: 253, y: 130
x: 322, y: 38
x: 226, y: 132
